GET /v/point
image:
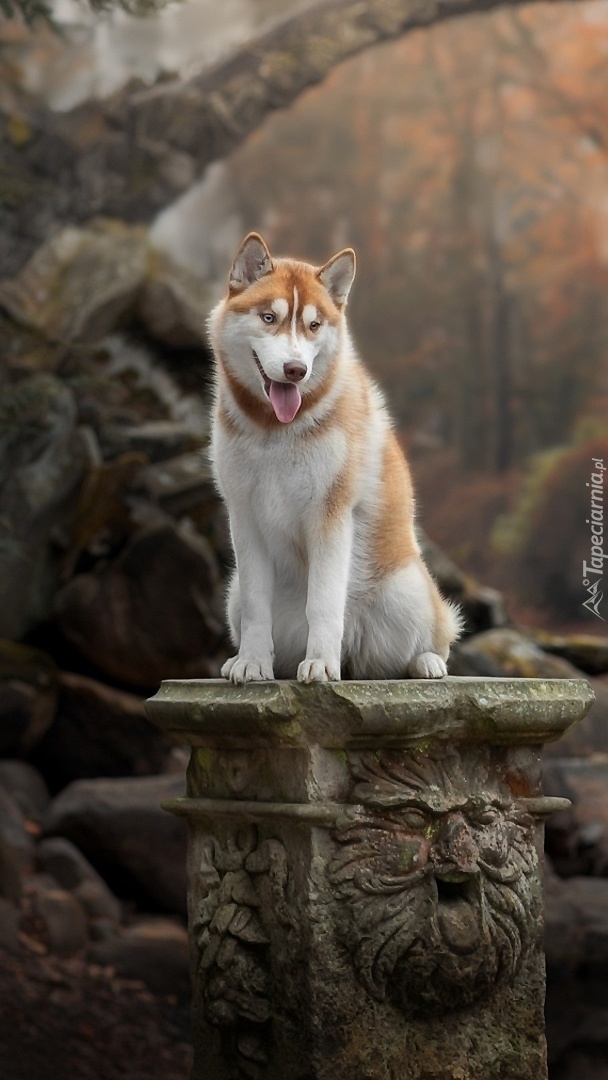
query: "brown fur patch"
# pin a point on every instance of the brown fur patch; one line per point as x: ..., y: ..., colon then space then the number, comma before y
x: 258, y: 410
x: 225, y: 420
x: 350, y: 413
x: 393, y: 543
x: 287, y: 275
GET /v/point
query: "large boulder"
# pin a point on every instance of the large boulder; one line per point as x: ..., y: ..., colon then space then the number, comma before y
x: 576, y: 946
x: 586, y: 651
x: 28, y: 696
x: 577, y: 839
x: 99, y: 731
x: 153, y: 613
x: 153, y: 951
x: 507, y: 653
x: 63, y: 861
x: 80, y: 282
x: 44, y: 456
x: 138, y: 848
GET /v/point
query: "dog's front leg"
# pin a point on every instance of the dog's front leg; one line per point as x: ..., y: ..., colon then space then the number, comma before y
x: 253, y: 614
x: 329, y: 563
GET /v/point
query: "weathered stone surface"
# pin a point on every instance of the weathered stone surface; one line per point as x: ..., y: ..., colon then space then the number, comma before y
x: 28, y: 696
x: 514, y: 654
x: 365, y: 894
x: 150, y: 614
x: 43, y: 458
x: 78, y: 284
x: 120, y: 827
x: 348, y: 714
x: 99, y: 731
x: 73, y: 872
x: 154, y: 951
x: 591, y: 736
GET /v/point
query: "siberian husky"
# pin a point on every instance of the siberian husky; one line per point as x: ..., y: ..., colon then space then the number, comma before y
x: 329, y: 578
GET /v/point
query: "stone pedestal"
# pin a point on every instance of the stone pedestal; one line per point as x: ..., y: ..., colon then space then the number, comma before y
x: 365, y: 895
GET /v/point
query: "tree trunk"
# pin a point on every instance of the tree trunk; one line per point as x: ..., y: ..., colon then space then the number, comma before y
x: 131, y: 155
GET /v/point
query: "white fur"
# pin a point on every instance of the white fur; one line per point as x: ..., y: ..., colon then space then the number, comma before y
x: 304, y: 600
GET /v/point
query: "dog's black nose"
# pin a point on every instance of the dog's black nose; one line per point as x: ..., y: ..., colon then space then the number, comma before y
x: 294, y: 371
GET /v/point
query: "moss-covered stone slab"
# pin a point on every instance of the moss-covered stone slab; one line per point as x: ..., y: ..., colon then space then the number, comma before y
x: 385, y: 713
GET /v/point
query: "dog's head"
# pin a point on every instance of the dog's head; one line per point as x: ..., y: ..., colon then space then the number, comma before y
x: 278, y: 331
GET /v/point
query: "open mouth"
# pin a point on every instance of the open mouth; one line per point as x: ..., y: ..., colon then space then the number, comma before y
x: 459, y: 911
x: 284, y: 397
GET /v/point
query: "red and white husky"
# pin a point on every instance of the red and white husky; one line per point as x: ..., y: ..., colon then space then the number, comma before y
x: 329, y: 576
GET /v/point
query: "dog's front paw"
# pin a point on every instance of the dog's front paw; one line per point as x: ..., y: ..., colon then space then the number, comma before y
x: 241, y: 670
x: 317, y: 671
x: 427, y: 665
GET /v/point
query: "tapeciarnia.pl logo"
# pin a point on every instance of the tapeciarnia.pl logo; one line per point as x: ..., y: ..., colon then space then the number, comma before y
x: 593, y: 571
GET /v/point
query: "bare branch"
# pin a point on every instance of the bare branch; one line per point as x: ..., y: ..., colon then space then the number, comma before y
x: 128, y: 157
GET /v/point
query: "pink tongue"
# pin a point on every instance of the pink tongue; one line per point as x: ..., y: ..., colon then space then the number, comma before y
x: 286, y: 400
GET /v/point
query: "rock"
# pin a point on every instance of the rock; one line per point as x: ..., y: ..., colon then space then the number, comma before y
x: 43, y: 458
x: 13, y: 831
x: 564, y: 934
x: 181, y: 483
x: 586, y: 651
x: 102, y: 518
x: 62, y: 923
x: 576, y: 945
x: 9, y: 926
x: 507, y: 653
x: 154, y: 951
x: 27, y: 787
x: 78, y: 284
x: 174, y: 303
x: 28, y: 696
x: 120, y: 826
x: 74, y: 873
x: 577, y: 839
x: 589, y: 899
x: 156, y: 439
x: 590, y: 737
x: 99, y: 731
x: 153, y: 613
x: 483, y: 608
x: 10, y: 873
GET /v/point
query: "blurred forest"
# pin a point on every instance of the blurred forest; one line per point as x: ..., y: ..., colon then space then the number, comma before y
x: 469, y: 167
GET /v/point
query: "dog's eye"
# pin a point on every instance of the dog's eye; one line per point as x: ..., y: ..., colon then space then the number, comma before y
x: 314, y: 325
x: 268, y: 317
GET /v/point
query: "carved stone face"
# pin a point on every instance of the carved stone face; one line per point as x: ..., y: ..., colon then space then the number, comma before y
x: 437, y: 877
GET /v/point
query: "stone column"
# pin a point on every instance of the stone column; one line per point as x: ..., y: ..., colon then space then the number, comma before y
x: 365, y: 897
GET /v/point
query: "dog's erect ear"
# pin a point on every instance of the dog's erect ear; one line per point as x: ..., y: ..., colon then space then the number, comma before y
x: 251, y: 263
x: 338, y: 275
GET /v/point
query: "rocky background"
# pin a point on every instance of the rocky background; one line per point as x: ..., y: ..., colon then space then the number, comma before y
x: 113, y: 556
